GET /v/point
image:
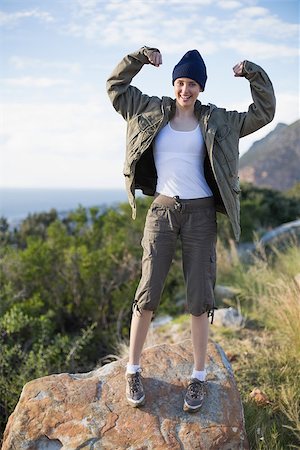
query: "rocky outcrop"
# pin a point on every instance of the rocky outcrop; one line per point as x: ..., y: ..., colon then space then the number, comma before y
x: 273, y: 162
x: 89, y: 411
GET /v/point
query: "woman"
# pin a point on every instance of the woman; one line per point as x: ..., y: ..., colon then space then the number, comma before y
x: 185, y: 154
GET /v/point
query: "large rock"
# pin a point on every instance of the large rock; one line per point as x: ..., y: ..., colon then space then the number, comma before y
x: 89, y: 411
x: 228, y: 317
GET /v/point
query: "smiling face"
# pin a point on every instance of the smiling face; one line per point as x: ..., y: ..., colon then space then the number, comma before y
x: 186, y: 92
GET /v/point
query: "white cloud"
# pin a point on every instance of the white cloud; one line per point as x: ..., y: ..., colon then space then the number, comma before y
x: 22, y: 62
x: 229, y: 4
x: 253, y: 22
x: 207, y: 47
x: 35, y: 82
x: 70, y: 145
x: 260, y: 50
x: 288, y: 109
x: 253, y: 11
x: 242, y: 27
x: 169, y: 26
x: 11, y: 19
x: 188, y: 2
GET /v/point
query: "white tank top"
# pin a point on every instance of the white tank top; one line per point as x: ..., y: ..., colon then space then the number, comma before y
x: 179, y: 160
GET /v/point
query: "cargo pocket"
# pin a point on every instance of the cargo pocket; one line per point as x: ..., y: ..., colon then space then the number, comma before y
x: 157, y: 219
x: 148, y: 243
x: 210, y: 214
x: 213, y: 268
x: 211, y: 282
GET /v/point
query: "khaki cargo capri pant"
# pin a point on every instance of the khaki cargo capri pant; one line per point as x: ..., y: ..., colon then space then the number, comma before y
x: 194, y: 221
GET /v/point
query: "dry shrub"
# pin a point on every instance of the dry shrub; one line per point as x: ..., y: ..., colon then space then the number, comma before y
x: 289, y: 404
x: 280, y: 307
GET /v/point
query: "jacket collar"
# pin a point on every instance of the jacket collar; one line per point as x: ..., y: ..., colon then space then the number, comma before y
x: 202, y: 112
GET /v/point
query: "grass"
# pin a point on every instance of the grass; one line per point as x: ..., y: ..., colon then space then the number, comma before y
x: 259, y: 362
x: 269, y: 359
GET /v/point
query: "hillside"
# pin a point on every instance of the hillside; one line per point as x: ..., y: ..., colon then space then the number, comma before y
x: 274, y: 161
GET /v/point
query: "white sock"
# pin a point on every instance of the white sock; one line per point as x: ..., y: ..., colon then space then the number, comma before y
x: 133, y: 368
x: 199, y: 374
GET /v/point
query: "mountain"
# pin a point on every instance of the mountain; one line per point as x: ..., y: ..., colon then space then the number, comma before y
x: 274, y: 161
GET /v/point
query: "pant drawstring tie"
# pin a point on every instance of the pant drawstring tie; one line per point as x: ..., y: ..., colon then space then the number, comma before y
x: 178, y: 204
x: 211, y: 313
x: 136, y: 308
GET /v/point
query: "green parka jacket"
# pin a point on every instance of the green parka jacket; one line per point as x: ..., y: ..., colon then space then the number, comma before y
x: 221, y: 130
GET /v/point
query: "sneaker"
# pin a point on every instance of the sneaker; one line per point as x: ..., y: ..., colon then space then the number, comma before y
x: 134, y: 389
x: 194, y: 395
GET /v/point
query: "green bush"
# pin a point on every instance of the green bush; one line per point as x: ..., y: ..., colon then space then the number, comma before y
x: 66, y: 292
x: 263, y: 209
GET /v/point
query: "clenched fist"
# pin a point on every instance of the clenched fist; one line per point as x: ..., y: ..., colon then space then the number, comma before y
x: 155, y: 59
x: 238, y: 69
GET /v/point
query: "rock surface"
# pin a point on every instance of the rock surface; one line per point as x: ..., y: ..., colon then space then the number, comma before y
x: 228, y: 317
x: 89, y: 411
x: 224, y: 292
x: 265, y: 164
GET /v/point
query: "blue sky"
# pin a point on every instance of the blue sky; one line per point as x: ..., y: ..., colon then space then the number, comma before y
x: 58, y: 128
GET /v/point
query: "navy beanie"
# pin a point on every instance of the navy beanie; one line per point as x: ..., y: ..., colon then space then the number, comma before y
x: 191, y: 66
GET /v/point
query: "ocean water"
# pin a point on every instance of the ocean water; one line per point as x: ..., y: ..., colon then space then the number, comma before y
x: 16, y: 203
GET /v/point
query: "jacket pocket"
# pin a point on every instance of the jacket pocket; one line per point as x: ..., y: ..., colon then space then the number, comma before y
x: 222, y: 132
x: 225, y: 145
x: 144, y: 123
x: 140, y: 131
